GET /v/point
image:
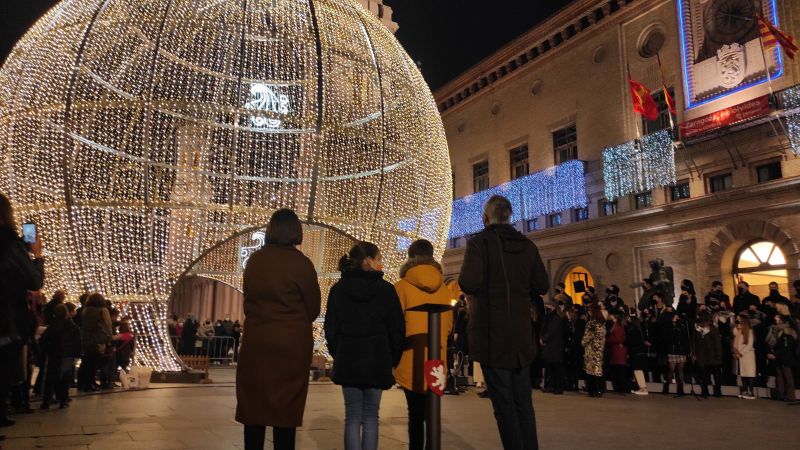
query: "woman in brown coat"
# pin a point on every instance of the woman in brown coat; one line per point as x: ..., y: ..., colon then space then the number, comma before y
x: 281, y: 301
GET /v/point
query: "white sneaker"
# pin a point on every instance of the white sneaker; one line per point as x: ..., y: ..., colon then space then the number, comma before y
x: 641, y: 392
x: 749, y: 396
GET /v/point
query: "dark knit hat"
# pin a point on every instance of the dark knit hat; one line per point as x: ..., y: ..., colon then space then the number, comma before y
x: 614, y: 289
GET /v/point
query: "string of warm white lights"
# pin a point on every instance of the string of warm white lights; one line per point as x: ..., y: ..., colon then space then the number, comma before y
x: 639, y: 165
x: 141, y: 135
x: 555, y: 189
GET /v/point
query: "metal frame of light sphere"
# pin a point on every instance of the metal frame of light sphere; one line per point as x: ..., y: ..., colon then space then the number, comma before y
x: 141, y: 135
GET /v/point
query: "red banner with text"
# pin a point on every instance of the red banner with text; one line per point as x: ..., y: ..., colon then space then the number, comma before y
x: 743, y: 111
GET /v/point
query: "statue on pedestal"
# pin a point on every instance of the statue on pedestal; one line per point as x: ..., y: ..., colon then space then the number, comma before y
x: 663, y: 280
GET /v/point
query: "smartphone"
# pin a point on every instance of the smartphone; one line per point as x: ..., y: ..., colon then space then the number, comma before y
x: 29, y: 232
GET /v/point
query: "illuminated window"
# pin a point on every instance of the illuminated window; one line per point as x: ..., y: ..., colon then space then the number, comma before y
x: 680, y: 192
x: 554, y: 219
x: 644, y: 200
x: 760, y: 263
x: 608, y: 208
x: 480, y: 176
x: 519, y: 162
x: 533, y: 225
x: 662, y: 122
x: 581, y: 214
x: 565, y: 144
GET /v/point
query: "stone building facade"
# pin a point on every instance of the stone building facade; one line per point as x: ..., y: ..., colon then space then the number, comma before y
x: 562, y: 91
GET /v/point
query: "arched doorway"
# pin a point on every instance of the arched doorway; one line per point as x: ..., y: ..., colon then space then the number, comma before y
x: 577, y: 276
x: 759, y: 263
x: 224, y: 264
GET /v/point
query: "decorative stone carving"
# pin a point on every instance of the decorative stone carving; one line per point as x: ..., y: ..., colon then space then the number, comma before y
x: 731, y: 64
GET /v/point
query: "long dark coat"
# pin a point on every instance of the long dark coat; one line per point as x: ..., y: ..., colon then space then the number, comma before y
x: 707, y: 348
x: 553, y: 338
x: 502, y: 272
x: 281, y: 301
x: 18, y: 275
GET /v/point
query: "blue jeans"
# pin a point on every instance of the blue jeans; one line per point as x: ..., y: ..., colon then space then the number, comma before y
x: 511, y: 394
x: 361, y: 407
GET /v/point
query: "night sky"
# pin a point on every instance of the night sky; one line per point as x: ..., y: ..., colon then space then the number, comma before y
x: 446, y: 37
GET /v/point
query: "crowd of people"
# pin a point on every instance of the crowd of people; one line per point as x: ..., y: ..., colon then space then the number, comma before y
x: 218, y: 340
x: 378, y: 341
x: 713, y: 343
x: 72, y: 346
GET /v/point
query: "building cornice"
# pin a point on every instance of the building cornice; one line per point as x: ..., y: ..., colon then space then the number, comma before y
x: 575, y: 23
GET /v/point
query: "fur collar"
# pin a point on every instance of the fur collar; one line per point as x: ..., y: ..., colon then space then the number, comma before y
x: 419, y: 261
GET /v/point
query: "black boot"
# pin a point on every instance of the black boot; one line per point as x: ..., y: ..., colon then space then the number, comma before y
x: 717, y: 390
x: 680, y: 390
x: 665, y: 389
x: 704, y: 391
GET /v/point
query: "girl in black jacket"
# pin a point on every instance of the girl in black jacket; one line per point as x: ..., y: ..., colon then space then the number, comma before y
x: 366, y: 329
x: 676, y: 347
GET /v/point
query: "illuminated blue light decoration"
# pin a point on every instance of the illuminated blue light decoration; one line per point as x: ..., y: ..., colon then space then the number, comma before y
x: 639, y: 165
x: 550, y: 190
x: 684, y: 17
x: 791, y: 101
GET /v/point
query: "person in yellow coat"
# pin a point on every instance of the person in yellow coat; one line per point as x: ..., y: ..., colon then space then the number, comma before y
x: 421, y: 282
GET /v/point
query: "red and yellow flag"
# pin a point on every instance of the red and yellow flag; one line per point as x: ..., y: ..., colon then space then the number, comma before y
x: 771, y: 36
x: 670, y: 100
x: 643, y: 102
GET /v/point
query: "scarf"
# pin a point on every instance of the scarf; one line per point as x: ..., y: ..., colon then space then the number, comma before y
x: 702, y: 330
x: 774, y: 333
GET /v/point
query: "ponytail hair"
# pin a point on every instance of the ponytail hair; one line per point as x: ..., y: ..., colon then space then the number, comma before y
x: 358, y: 254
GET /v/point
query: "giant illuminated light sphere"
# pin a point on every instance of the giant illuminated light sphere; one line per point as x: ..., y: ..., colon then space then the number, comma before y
x: 151, y: 138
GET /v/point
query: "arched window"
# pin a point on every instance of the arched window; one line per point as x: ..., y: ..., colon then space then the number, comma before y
x: 760, y: 263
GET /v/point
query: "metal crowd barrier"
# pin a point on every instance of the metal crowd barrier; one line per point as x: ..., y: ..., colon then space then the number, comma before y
x: 218, y: 349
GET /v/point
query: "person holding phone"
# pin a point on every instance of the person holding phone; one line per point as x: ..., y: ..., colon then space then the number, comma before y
x: 18, y: 275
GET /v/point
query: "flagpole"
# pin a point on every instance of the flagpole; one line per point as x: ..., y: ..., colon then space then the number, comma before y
x: 761, y: 21
x: 638, y: 146
x: 766, y: 66
x: 635, y: 119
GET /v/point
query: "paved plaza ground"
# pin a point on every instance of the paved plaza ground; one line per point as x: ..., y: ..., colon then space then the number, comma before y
x: 193, y: 417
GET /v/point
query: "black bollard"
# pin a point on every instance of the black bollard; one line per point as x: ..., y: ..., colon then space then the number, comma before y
x: 434, y: 428
x: 433, y: 432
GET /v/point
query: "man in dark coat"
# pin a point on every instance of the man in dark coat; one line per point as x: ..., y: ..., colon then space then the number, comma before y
x: 775, y: 297
x: 189, y: 334
x: 646, y: 301
x: 18, y: 275
x: 552, y: 340
x: 502, y: 273
x: 745, y: 298
x: 716, y: 299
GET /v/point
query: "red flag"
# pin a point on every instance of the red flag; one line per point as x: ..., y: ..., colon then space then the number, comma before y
x: 670, y: 100
x: 643, y: 102
x: 435, y: 377
x: 771, y: 36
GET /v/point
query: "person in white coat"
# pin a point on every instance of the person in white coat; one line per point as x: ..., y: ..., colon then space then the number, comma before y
x: 745, y: 356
